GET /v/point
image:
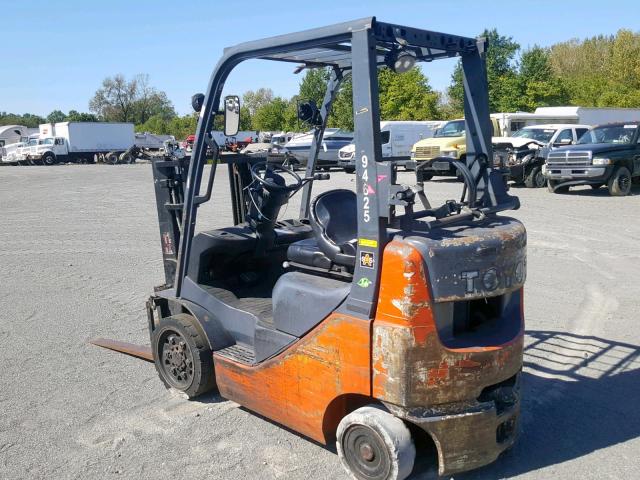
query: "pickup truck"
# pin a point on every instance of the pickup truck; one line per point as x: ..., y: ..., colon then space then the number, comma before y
x: 524, y: 153
x: 605, y: 155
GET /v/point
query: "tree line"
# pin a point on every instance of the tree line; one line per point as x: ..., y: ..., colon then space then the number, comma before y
x: 602, y: 71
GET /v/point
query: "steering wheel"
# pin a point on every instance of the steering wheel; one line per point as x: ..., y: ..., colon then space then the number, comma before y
x: 268, y: 183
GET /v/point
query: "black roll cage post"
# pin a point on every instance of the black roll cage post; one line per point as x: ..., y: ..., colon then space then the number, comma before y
x: 358, y: 47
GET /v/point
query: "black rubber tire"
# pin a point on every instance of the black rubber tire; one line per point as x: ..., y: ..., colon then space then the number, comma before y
x: 535, y: 179
x: 49, y: 159
x: 595, y: 186
x: 127, y: 158
x: 349, y: 169
x: 111, y: 158
x: 551, y: 186
x: 619, y: 183
x: 373, y: 444
x: 195, y: 357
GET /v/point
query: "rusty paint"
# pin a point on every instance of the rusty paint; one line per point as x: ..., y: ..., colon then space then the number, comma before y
x: 411, y: 366
x: 139, y: 351
x: 297, y: 387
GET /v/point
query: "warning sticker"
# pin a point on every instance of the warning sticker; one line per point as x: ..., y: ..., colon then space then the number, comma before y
x: 367, y: 259
x: 365, y: 242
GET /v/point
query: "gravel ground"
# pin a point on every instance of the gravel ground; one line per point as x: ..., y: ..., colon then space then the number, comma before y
x: 79, y: 255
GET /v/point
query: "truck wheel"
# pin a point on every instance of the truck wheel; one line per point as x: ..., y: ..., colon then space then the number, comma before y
x: 553, y: 188
x: 49, y: 159
x: 127, y: 158
x: 595, y: 186
x: 349, y: 169
x: 372, y: 444
x: 112, y: 158
x: 535, y: 179
x: 619, y: 184
x: 182, y: 355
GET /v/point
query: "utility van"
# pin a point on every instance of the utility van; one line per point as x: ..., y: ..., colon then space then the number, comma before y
x: 397, y: 138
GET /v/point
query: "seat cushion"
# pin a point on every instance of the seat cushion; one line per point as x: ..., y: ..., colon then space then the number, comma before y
x: 307, y: 252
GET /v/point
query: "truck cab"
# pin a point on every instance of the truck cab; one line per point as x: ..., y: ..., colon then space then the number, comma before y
x: 47, y: 151
x: 605, y: 155
x: 448, y: 142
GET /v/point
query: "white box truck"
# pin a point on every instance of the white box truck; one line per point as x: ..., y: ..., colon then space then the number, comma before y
x: 82, y: 142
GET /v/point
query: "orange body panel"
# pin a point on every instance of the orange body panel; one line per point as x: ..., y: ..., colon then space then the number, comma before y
x: 411, y: 366
x: 311, y: 385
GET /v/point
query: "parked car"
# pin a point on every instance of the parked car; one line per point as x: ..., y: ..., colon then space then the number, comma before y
x: 524, y: 153
x: 605, y: 155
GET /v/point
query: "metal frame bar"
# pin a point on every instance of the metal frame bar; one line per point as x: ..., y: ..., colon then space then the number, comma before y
x: 366, y: 37
x: 333, y: 86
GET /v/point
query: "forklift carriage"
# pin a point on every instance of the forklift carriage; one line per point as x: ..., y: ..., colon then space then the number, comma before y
x: 372, y: 318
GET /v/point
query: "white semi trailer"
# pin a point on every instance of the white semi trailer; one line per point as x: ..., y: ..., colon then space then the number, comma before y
x: 82, y: 142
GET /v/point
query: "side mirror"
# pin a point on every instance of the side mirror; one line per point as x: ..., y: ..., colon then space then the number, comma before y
x: 197, y: 101
x: 564, y: 141
x: 231, y: 115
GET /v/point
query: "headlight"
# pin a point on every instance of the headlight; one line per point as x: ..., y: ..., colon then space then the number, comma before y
x: 449, y: 153
x: 601, y: 161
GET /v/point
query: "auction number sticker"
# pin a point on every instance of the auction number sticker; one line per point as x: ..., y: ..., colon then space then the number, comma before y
x: 366, y: 209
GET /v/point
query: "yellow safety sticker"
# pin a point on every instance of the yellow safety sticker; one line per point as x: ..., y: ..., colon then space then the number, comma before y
x: 365, y: 242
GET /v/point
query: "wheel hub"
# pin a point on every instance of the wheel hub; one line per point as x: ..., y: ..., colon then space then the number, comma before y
x: 177, y: 360
x: 366, y: 452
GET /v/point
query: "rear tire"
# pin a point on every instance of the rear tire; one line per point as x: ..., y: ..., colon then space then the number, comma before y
x: 111, y: 158
x: 372, y: 444
x: 349, y: 170
x: 182, y: 355
x: 535, y: 179
x: 619, y: 184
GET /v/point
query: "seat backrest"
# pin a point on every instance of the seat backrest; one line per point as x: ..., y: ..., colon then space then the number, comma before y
x: 334, y: 219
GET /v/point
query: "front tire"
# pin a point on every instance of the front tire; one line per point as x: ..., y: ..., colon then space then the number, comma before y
x: 182, y: 355
x: 49, y: 159
x: 619, y: 184
x: 372, y: 444
x: 535, y: 179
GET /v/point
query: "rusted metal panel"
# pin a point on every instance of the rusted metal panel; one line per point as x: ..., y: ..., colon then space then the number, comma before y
x: 411, y: 366
x: 488, y: 259
x: 138, y: 351
x: 296, y: 387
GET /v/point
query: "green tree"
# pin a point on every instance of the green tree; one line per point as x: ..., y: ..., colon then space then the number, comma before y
x: 149, y: 101
x: 75, y: 116
x: 271, y: 116
x: 407, y: 96
x: 537, y: 82
x: 501, y: 73
x: 56, y: 116
x: 28, y: 119
x: 122, y: 100
x: 254, y: 100
x: 314, y: 85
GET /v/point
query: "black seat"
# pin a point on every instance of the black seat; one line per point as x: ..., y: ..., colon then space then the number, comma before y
x: 334, y: 222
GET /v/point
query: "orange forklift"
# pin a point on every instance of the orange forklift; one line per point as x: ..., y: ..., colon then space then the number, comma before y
x: 374, y: 317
